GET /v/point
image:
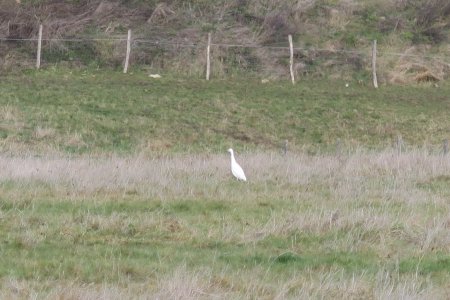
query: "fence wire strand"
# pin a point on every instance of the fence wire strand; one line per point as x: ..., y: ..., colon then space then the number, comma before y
x: 227, y: 58
x: 278, y: 46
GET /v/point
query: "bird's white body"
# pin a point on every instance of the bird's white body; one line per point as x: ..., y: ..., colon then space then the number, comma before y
x: 236, y: 169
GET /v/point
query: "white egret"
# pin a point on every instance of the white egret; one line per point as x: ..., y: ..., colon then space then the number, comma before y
x: 236, y: 168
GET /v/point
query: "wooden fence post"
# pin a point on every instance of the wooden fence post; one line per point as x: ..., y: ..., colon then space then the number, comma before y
x: 399, y: 144
x: 127, y: 57
x: 208, y: 58
x: 291, y: 60
x: 285, y: 147
x: 374, y: 64
x: 38, y: 56
x: 445, y: 146
x: 338, y: 147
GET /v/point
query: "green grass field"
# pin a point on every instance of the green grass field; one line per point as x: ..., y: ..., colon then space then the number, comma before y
x: 118, y: 186
x: 98, y: 111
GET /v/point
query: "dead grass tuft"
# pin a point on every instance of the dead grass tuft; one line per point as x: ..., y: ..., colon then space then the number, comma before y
x: 161, y: 14
x: 10, y: 118
x: 44, y: 133
x: 414, y: 67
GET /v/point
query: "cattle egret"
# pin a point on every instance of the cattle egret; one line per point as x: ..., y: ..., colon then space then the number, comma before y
x: 236, y: 168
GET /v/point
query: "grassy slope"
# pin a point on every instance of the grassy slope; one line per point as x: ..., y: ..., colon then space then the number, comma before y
x: 98, y: 111
x: 418, y: 29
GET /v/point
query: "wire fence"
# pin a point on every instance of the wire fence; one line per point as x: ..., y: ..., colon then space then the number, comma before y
x: 226, y: 59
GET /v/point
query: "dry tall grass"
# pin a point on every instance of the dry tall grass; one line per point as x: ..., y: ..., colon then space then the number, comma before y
x: 202, y: 284
x: 178, y: 174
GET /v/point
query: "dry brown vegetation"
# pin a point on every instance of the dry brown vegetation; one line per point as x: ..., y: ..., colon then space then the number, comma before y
x: 156, y: 176
x: 323, y: 31
x: 201, y: 284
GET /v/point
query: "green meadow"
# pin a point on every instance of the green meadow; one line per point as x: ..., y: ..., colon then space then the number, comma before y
x: 99, y: 111
x: 118, y: 186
